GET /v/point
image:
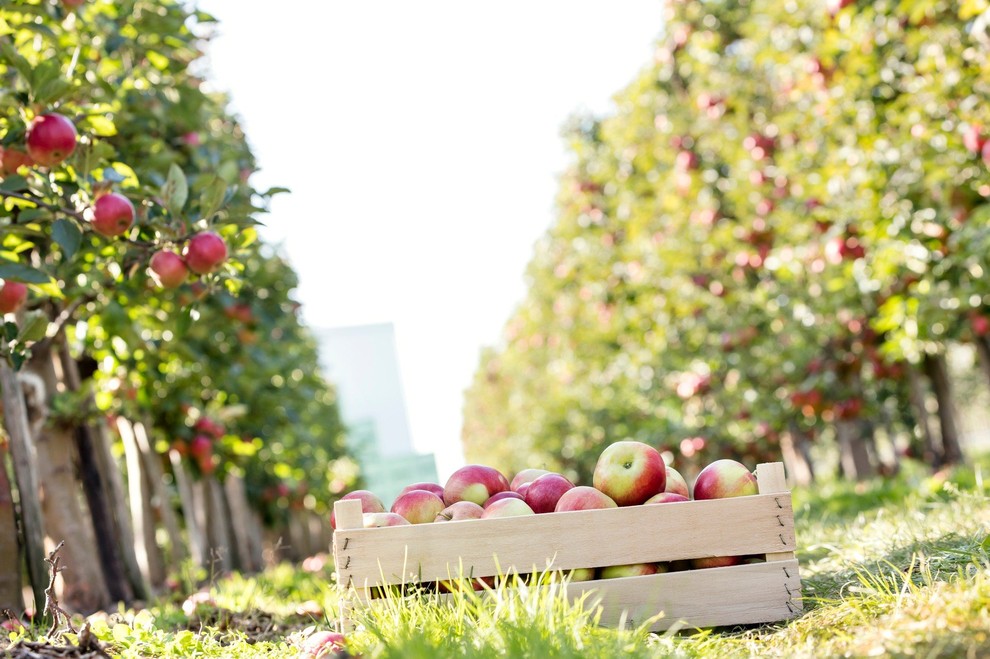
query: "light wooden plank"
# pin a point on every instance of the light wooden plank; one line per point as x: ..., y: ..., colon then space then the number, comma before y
x: 587, y: 538
x: 771, y: 480
x: 715, y: 597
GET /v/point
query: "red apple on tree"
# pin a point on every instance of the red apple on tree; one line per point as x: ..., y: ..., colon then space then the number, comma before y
x: 544, y: 492
x: 456, y: 512
x: 370, y: 503
x: 630, y: 472
x: 474, y: 483
x: 51, y: 138
x: 418, y: 506
x: 723, y: 479
x: 205, y: 252
x: 112, y: 215
x: 583, y: 497
x: 12, y: 296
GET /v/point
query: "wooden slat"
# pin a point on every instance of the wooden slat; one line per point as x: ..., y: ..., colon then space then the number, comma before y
x: 740, y: 595
x: 755, y: 524
x: 771, y: 480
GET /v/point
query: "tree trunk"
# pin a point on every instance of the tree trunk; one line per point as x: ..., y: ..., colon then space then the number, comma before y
x: 161, y: 498
x: 930, y: 453
x: 938, y: 372
x: 853, y: 453
x: 123, y: 529
x: 93, y: 485
x: 216, y: 524
x: 10, y: 558
x: 145, y: 545
x: 240, y: 522
x: 22, y: 452
x: 798, y: 467
x: 983, y: 351
x: 197, y: 543
x: 83, y: 585
x: 256, y: 533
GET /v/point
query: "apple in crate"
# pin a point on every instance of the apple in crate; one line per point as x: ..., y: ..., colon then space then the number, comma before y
x: 436, y: 488
x: 667, y: 497
x: 633, y: 570
x: 584, y: 497
x: 505, y: 494
x: 723, y: 479
x: 630, y: 472
x: 526, y: 476
x: 676, y: 483
x: 474, y: 483
x: 715, y: 561
x: 378, y: 520
x: 370, y: 503
x: 544, y: 492
x: 418, y: 506
x: 507, y: 508
x: 455, y: 512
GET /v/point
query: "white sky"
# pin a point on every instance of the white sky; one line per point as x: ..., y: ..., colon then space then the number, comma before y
x: 421, y: 141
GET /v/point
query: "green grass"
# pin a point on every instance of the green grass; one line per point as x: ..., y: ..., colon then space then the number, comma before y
x: 894, y: 568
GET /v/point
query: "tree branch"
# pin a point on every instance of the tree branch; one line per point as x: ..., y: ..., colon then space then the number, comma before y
x: 37, y: 202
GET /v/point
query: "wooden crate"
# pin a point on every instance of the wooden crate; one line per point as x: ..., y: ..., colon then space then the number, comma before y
x: 762, y: 524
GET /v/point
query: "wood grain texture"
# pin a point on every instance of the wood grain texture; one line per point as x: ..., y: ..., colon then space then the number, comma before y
x: 587, y: 538
x: 771, y: 480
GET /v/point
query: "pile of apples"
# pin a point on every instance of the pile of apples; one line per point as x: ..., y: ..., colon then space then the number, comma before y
x: 628, y: 473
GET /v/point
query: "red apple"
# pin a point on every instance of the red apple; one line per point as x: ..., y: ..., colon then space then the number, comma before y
x: 631, y: 570
x: 378, y: 520
x: 436, y: 488
x: 456, y: 512
x: 676, y: 483
x: 323, y: 645
x: 724, y: 478
x: 667, y: 497
x: 12, y: 296
x: 200, y: 446
x: 526, y: 476
x: 523, y: 489
x: 112, y: 215
x: 630, y: 472
x: 72, y: 4
x: 474, y: 483
x: 507, y: 508
x: 51, y: 138
x: 418, y: 506
x: 205, y: 252
x: 584, y: 497
x: 13, y: 159
x: 973, y: 138
x: 980, y: 324
x: 370, y: 503
x: 543, y: 493
x: 715, y: 561
x: 12, y: 625
x: 580, y: 574
x: 505, y: 494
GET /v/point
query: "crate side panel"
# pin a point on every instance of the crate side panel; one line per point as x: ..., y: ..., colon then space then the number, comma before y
x: 715, y: 597
x: 590, y: 538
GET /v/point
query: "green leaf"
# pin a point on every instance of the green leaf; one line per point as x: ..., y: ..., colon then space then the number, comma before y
x: 68, y: 236
x: 14, y: 183
x: 111, y: 174
x: 274, y: 191
x: 175, y: 192
x: 10, y: 330
x: 985, y: 545
x: 34, y: 214
x: 212, y: 198
x: 15, y: 58
x: 21, y: 272
x: 34, y: 327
